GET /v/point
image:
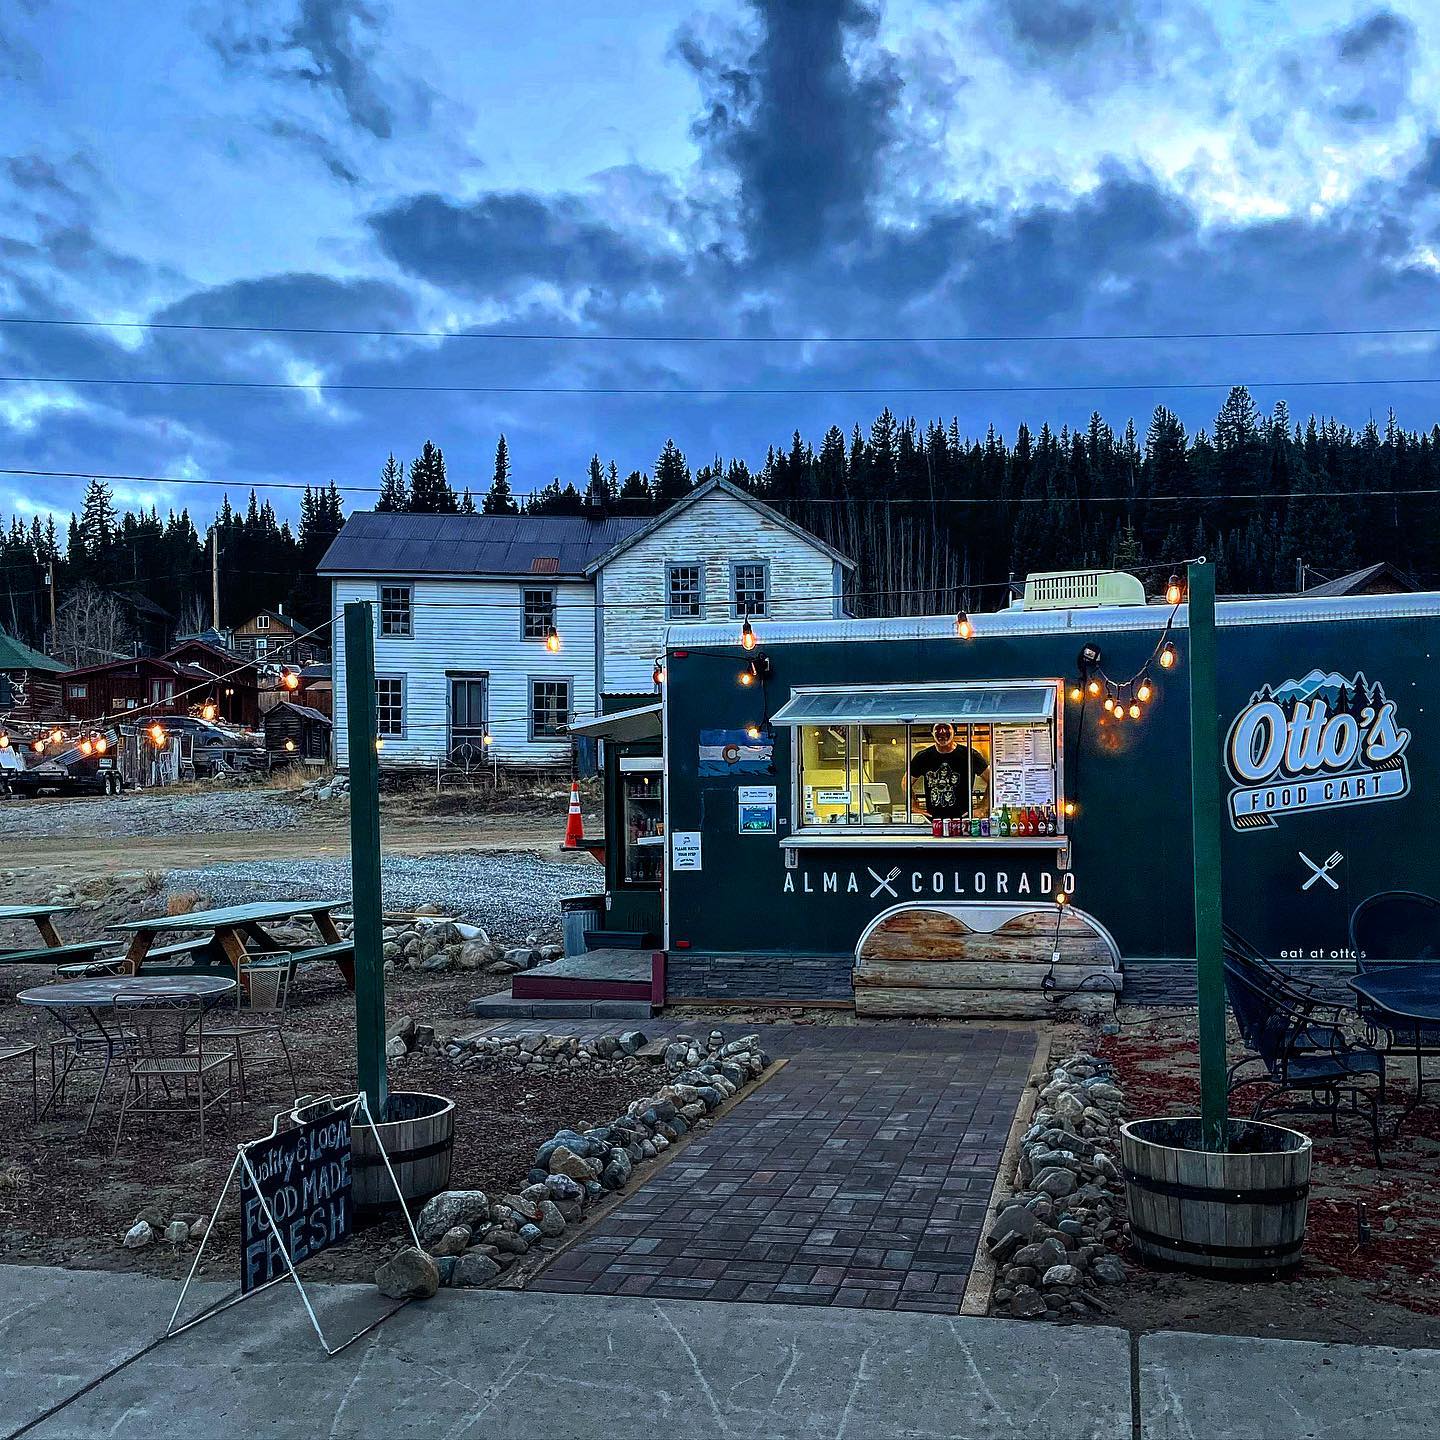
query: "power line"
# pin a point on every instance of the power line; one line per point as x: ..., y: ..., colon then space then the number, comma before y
x: 1086, y: 337
x: 773, y: 500
x: 701, y: 391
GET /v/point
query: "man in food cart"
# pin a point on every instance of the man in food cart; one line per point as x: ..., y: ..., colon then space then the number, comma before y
x: 942, y: 775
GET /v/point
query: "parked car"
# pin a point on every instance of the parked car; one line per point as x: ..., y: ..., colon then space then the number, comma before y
x: 218, y: 748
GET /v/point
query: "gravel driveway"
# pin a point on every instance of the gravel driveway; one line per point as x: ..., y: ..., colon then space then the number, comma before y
x: 93, y: 816
x: 511, y: 895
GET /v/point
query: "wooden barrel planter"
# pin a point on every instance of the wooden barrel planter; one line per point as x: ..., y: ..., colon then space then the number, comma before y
x: 1237, y: 1212
x: 418, y: 1134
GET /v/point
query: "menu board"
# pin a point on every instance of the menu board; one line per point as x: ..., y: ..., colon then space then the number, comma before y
x: 1022, y: 770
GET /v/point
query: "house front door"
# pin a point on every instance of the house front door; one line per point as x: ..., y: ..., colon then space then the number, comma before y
x: 469, y: 722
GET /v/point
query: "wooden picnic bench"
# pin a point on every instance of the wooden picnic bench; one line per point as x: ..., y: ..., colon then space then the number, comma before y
x: 53, y: 948
x: 231, y: 927
x: 115, y: 964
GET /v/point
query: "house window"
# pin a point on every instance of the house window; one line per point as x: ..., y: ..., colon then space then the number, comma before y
x: 262, y: 622
x: 537, y: 608
x: 161, y: 690
x: 682, y: 593
x: 260, y: 646
x: 77, y: 692
x: 390, y: 706
x: 395, y: 607
x: 549, y: 709
x: 752, y: 588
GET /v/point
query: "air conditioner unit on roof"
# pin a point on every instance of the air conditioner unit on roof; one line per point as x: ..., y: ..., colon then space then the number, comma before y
x: 1081, y: 589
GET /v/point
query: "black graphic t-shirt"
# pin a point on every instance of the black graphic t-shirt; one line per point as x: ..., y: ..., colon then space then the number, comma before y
x: 945, y: 777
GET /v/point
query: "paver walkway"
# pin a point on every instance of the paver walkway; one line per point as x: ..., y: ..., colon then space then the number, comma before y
x: 857, y: 1176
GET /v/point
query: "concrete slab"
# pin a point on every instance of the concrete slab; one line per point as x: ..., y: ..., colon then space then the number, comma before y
x: 521, y: 1366
x: 1197, y: 1387
x: 506, y: 1007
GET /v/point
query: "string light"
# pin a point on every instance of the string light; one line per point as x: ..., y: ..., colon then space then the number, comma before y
x: 1109, y: 703
x: 56, y: 737
x: 1076, y: 693
x: 747, y: 677
x: 4, y: 740
x: 486, y: 739
x: 158, y: 737
x: 747, y: 635
x: 1061, y: 898
x: 86, y: 746
x: 963, y: 628
x: 1145, y: 690
x: 1094, y: 686
x: 1070, y: 808
x: 1167, y: 657
x: 209, y: 710
x: 658, y: 673
x: 552, y: 639
x: 752, y: 731
x: 290, y: 746
x: 1134, y: 709
x: 290, y: 679
x: 39, y: 747
x: 101, y: 744
x: 1174, y: 590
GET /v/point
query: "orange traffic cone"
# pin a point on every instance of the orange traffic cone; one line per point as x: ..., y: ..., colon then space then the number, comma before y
x: 574, y: 825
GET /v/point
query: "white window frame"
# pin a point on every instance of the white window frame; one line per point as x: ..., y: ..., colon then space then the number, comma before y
x: 78, y: 692
x: 399, y: 680
x: 406, y: 588
x: 568, y: 681
x: 672, y: 612
x: 736, y: 566
x: 262, y: 622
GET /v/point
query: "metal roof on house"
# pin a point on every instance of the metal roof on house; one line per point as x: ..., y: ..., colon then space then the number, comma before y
x: 306, y: 712
x: 16, y: 655
x: 381, y: 543
x: 1356, y: 581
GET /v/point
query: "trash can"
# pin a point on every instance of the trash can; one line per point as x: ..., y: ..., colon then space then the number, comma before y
x: 579, y: 913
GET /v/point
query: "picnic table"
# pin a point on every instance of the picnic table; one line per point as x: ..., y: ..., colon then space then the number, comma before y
x: 1404, y: 997
x: 52, y: 948
x: 95, y: 997
x: 235, y: 928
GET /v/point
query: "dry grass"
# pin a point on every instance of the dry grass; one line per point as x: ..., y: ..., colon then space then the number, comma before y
x: 296, y: 777
x: 182, y: 902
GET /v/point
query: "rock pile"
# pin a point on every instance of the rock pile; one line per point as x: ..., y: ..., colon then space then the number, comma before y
x: 540, y: 1053
x: 325, y: 787
x: 1053, y: 1241
x: 154, y: 1223
x: 472, y: 1237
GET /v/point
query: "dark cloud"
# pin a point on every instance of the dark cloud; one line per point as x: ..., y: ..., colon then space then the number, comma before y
x: 1057, y: 34
x: 493, y: 244
x: 304, y: 137
x: 330, y: 46
x: 803, y: 127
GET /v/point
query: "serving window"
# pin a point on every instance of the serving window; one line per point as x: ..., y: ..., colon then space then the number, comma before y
x: 972, y: 761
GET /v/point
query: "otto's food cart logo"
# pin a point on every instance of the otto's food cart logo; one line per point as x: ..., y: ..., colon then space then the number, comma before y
x: 1313, y: 744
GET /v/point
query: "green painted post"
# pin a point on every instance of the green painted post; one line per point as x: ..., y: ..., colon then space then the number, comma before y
x: 1205, y: 822
x: 365, y: 854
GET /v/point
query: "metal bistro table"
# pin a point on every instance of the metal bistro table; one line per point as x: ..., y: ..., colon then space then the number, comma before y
x: 95, y: 997
x: 1403, y: 997
x: 235, y: 925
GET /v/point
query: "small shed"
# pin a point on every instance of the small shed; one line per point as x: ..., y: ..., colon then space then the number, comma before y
x: 29, y: 681
x: 296, y: 734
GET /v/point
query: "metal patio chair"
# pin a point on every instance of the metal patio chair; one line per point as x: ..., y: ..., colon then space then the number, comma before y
x: 1300, y: 1052
x: 12, y: 1050
x: 1322, y: 994
x: 170, y: 1056
x: 262, y: 1000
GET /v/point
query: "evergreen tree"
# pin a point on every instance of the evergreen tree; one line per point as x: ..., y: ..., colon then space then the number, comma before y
x: 430, y: 491
x: 672, y: 476
x: 467, y: 502
x: 498, y: 499
x: 393, y: 495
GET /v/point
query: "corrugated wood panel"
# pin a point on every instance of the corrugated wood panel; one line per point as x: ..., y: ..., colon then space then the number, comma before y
x: 482, y: 639
x: 714, y: 532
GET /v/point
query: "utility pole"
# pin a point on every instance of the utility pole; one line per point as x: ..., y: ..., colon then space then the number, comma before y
x: 215, y: 578
x: 1205, y: 810
x: 365, y: 854
x: 50, y: 586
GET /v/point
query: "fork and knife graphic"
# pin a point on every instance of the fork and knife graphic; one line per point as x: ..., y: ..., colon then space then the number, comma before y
x: 1321, y: 872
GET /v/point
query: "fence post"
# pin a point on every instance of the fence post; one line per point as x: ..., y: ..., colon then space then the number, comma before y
x: 1205, y: 820
x: 365, y: 854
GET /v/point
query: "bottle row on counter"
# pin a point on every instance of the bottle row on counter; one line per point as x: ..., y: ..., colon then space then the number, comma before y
x: 1007, y: 821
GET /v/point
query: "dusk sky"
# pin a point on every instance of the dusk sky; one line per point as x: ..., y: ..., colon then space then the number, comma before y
x: 1000, y: 167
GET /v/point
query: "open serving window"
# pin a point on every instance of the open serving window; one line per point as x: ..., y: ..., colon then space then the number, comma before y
x: 971, y: 761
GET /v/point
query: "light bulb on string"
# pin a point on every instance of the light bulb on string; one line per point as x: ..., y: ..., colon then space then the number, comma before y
x: 1093, y: 687
x: 747, y: 635
x: 1134, y: 710
x: 963, y: 628
x: 1174, y: 590
x: 1070, y: 808
x: 658, y: 673
x: 158, y: 737
x: 290, y: 679
x: 56, y: 736
x: 1061, y: 898
x: 487, y: 739
x: 1109, y: 703
x: 1076, y: 693
x: 209, y: 710
x: 552, y: 639
x: 1168, y: 656
x: 289, y: 747
x: 86, y: 747
x: 39, y: 746
x: 101, y: 744
x: 4, y: 740
x: 1144, y: 690
x: 747, y: 677
x: 752, y: 732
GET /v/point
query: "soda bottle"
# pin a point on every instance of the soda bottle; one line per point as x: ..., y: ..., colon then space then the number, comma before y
x: 1004, y: 820
x: 1027, y: 821
x: 1050, y: 826
x: 1020, y: 821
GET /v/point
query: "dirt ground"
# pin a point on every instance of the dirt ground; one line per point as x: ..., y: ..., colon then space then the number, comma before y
x: 1382, y: 1290
x: 65, y: 1201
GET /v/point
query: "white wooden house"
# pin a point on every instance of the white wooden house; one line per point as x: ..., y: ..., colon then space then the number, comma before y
x: 495, y: 632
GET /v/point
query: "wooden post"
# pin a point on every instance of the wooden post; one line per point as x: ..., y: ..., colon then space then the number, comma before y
x: 1205, y: 820
x: 365, y: 854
